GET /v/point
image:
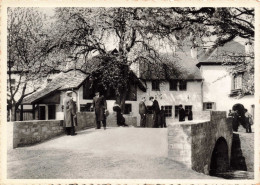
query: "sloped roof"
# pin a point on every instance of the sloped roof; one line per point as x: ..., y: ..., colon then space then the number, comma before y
x: 178, y: 66
x: 70, y: 80
x: 212, y: 55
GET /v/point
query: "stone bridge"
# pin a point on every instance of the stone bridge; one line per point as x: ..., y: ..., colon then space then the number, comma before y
x: 204, y: 144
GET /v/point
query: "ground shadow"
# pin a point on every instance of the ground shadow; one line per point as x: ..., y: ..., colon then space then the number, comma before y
x: 237, y: 161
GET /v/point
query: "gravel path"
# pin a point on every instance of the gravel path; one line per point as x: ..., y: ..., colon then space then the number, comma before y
x: 116, y: 153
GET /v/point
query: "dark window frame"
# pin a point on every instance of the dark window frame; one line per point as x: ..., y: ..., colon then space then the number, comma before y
x: 155, y: 85
x: 173, y: 85
x: 52, y: 116
x: 186, y: 108
x: 183, y: 85
x: 168, y: 110
x: 207, y: 105
x: 176, y: 111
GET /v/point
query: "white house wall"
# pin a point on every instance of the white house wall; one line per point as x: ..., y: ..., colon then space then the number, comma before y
x: 217, y: 86
x: 192, y: 96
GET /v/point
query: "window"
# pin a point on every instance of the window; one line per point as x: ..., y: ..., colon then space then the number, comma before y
x: 168, y: 111
x: 208, y: 106
x: 187, y: 108
x: 238, y: 81
x: 128, y: 108
x: 173, y: 85
x: 86, y: 107
x: 155, y: 85
x: 183, y: 85
x: 51, y: 111
x: 176, y: 111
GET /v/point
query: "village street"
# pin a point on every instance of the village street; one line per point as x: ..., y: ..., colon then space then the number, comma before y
x: 115, y: 153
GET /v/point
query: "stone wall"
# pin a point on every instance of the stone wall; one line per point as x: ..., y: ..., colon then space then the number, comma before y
x: 192, y: 142
x: 32, y: 132
x: 25, y: 133
x: 85, y: 120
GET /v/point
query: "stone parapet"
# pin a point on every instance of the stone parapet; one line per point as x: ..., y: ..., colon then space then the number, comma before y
x: 192, y: 142
x: 32, y: 132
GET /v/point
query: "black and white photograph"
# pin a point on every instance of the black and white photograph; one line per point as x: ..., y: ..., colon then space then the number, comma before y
x: 130, y: 92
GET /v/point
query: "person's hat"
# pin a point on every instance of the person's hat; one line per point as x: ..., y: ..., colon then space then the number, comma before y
x: 69, y: 92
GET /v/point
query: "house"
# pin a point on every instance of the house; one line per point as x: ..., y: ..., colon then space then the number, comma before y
x: 196, y: 79
x: 220, y: 88
x: 47, y: 103
x: 16, y: 79
x: 175, y: 81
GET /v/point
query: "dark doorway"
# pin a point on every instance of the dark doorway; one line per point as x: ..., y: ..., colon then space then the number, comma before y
x: 219, y: 159
x: 42, y: 113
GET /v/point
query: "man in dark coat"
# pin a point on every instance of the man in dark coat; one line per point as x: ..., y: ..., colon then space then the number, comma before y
x: 156, y: 112
x: 69, y: 114
x: 100, y: 106
x: 235, y: 121
x: 162, y: 117
x: 142, y: 112
x: 181, y: 113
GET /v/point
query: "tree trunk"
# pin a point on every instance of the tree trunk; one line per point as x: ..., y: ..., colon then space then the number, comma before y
x: 13, y: 113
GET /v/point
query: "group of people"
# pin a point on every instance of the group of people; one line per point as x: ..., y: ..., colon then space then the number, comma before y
x: 70, y: 109
x: 100, y: 109
x: 158, y: 114
x: 243, y: 118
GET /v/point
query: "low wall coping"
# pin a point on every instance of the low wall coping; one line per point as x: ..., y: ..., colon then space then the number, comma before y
x: 193, y: 122
x: 27, y: 121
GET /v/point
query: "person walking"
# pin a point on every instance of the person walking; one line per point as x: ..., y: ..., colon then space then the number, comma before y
x: 69, y: 114
x: 162, y: 118
x: 156, y: 112
x: 142, y: 112
x: 249, y: 121
x: 181, y: 113
x: 100, y: 106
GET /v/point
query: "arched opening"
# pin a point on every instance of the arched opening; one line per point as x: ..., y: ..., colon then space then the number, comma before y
x: 219, y: 159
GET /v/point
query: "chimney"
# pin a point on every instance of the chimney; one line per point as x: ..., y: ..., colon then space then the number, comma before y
x: 194, y: 52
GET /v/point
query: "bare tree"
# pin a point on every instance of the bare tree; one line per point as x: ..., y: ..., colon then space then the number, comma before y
x: 26, y: 56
